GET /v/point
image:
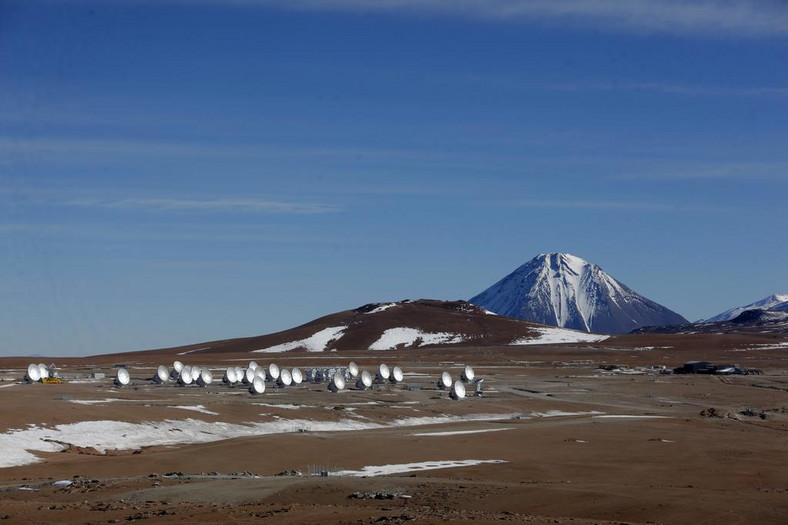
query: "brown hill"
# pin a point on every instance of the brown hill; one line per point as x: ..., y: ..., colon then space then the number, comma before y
x: 406, y: 324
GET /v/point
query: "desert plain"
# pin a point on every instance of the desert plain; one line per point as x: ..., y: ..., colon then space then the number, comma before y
x: 557, y: 436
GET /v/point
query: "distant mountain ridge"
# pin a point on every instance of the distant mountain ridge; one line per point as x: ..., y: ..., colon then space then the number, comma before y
x: 564, y: 290
x: 778, y: 302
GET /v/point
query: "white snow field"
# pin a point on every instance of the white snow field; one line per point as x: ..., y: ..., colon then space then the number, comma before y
x: 394, y: 337
x: 315, y: 343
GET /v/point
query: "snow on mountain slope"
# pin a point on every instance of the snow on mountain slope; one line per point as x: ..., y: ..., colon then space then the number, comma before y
x: 773, y: 302
x: 548, y: 335
x: 316, y: 343
x: 564, y: 290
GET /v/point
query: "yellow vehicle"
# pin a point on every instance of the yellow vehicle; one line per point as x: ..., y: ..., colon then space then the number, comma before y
x: 51, y: 380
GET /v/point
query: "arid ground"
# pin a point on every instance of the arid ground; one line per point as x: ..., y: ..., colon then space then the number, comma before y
x: 554, y: 439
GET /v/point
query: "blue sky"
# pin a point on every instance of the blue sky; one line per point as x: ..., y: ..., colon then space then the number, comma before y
x: 178, y: 171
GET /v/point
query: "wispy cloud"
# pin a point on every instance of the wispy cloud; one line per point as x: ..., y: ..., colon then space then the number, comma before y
x: 672, y: 89
x: 691, y: 17
x: 246, y: 205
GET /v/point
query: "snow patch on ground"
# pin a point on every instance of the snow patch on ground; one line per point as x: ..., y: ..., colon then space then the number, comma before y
x: 381, y: 308
x: 196, y: 408
x: 394, y: 337
x: 383, y: 470
x: 286, y: 406
x: 561, y: 413
x: 17, y: 446
x: 96, y: 401
x: 461, y: 432
x: 629, y: 416
x: 549, y: 335
x: 316, y: 343
x: 195, y: 350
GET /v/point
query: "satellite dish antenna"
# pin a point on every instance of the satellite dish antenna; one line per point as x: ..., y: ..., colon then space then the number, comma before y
x: 337, y: 382
x: 196, y: 371
x: 383, y: 373
x: 248, y: 376
x: 229, y: 376
x: 445, y: 381
x: 285, y: 378
x: 239, y: 374
x: 206, y: 377
x: 259, y: 372
x: 468, y: 374
x: 43, y: 371
x: 364, y: 381
x: 396, y: 375
x: 297, y: 376
x: 257, y: 386
x: 353, y: 369
x: 33, y: 373
x: 457, y: 390
x: 177, y: 366
x: 161, y: 375
x: 185, y: 377
x: 253, y: 365
x: 123, y: 378
x: 273, y: 372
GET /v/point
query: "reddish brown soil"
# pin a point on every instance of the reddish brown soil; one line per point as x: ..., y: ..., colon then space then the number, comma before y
x: 684, y: 468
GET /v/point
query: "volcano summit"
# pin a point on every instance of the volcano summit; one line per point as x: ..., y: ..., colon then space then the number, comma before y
x: 563, y: 290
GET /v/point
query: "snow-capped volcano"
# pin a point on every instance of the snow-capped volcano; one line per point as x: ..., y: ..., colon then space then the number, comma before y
x: 773, y: 302
x: 564, y: 290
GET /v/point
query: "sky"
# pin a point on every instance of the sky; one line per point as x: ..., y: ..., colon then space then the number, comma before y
x: 178, y: 171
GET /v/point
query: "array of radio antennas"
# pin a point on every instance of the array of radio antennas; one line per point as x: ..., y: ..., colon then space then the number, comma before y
x: 457, y: 388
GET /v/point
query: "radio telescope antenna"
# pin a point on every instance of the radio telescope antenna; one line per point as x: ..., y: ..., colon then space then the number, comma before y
x: 364, y: 380
x: 206, y: 377
x: 396, y: 375
x: 468, y: 374
x: 185, y: 377
x: 457, y: 390
x: 123, y: 378
x: 229, y: 376
x: 383, y: 373
x: 257, y: 386
x: 273, y: 372
x: 445, y: 381
x: 285, y: 378
x: 297, y: 376
x: 353, y: 369
x: 337, y: 383
x: 161, y: 375
x: 33, y: 373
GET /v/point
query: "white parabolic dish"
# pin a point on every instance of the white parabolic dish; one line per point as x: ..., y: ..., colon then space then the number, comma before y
x: 297, y: 376
x: 468, y: 374
x: 123, y: 377
x: 33, y: 374
x: 285, y: 378
x: 383, y: 372
x: 229, y: 375
x: 365, y: 380
x: 162, y: 374
x: 445, y: 381
x: 206, y: 377
x: 458, y: 390
x: 396, y: 375
x: 337, y: 382
x: 353, y: 369
x: 196, y: 371
x: 43, y: 371
x: 253, y: 364
x: 257, y: 386
x: 177, y: 366
x: 185, y: 377
x: 273, y: 372
x: 249, y: 375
